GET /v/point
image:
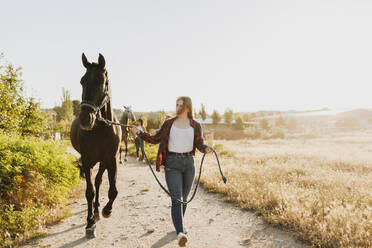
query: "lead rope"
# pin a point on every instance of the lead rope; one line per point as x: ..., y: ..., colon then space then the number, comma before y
x: 197, y: 183
x: 110, y: 123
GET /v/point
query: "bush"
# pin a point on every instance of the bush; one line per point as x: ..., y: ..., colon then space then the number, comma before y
x: 35, y: 176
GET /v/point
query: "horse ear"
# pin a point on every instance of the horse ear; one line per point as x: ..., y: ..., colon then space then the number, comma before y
x: 101, y: 61
x: 85, y: 61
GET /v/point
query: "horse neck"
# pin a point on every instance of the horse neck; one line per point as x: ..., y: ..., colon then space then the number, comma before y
x: 125, y: 118
x: 107, y: 111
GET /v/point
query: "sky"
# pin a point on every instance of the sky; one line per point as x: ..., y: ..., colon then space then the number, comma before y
x: 246, y: 55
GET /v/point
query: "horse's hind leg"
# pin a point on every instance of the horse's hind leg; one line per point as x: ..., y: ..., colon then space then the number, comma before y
x: 126, y: 149
x: 89, y: 193
x: 97, y: 183
x: 113, y: 192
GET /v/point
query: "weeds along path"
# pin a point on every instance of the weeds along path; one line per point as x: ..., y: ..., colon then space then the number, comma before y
x: 141, y: 218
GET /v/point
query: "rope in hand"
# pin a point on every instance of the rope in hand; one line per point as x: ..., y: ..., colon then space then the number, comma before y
x: 197, y: 183
x: 110, y: 123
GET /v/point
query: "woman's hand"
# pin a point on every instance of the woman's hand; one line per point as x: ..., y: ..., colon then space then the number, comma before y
x: 208, y: 149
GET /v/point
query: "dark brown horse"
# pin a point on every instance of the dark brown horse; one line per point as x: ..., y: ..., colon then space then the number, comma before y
x: 95, y: 140
x: 127, y: 115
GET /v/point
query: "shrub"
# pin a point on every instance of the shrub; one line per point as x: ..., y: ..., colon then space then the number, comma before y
x: 35, y: 176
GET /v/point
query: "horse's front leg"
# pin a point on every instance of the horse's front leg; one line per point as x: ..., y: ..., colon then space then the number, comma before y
x: 89, y: 194
x: 97, y: 183
x: 113, y: 192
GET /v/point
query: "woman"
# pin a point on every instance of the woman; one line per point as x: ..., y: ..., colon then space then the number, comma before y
x: 138, y: 141
x: 178, y: 138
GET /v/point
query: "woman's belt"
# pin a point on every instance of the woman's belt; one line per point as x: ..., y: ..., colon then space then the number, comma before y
x: 182, y: 154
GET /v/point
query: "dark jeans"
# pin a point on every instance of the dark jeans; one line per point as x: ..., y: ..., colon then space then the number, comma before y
x: 139, y: 143
x: 179, y: 175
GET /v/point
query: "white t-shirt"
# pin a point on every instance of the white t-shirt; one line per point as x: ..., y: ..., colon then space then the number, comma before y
x: 181, y: 139
x: 139, y: 128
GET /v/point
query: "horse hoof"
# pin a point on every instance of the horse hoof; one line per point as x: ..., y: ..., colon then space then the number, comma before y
x: 96, y: 216
x: 90, y: 232
x: 106, y: 213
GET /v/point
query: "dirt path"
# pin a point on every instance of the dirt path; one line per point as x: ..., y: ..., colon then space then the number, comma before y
x: 141, y: 218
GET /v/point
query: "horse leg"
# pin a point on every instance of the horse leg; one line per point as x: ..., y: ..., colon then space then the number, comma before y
x: 113, y: 192
x: 120, y: 162
x: 126, y: 149
x: 97, y: 184
x: 89, y: 194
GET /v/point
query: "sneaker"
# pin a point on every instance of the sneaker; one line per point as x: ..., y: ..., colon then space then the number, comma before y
x: 185, y: 230
x: 137, y: 159
x: 182, y: 239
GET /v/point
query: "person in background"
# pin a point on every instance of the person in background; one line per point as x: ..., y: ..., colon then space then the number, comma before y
x: 139, y: 141
x: 178, y: 138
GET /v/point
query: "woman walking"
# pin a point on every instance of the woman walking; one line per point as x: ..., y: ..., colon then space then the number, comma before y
x: 178, y: 138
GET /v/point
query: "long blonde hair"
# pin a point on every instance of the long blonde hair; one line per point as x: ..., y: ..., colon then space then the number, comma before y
x: 187, y: 104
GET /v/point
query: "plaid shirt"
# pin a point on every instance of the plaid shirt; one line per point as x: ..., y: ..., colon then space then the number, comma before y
x: 162, y: 137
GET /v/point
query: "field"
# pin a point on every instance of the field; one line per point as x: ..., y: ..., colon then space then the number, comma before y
x: 320, y: 188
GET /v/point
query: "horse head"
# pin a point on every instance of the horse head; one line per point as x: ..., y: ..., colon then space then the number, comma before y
x: 128, y: 113
x: 96, y: 93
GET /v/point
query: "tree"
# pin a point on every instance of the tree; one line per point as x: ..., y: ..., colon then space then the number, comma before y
x: 195, y: 113
x: 239, y: 124
x: 18, y: 114
x: 203, y: 113
x: 216, y: 117
x: 161, y: 117
x: 264, y: 124
x: 76, y: 107
x: 12, y: 103
x: 228, y: 116
x: 35, y: 122
x: 67, y: 112
x: 144, y: 119
x: 153, y: 123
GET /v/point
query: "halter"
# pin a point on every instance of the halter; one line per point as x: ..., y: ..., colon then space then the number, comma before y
x: 97, y: 109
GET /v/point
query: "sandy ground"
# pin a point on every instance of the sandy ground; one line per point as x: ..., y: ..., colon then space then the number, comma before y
x: 141, y: 218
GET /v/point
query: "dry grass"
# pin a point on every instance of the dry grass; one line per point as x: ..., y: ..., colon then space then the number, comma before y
x: 320, y: 188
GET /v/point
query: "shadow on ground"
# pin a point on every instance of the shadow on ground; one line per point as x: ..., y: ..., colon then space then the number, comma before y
x: 169, y: 237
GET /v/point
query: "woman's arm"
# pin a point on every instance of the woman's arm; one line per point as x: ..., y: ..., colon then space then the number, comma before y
x: 153, y: 139
x: 199, y: 140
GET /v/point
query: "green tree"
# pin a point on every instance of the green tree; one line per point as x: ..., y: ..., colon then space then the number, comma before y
x: 228, y: 115
x: 155, y: 123
x: 12, y: 102
x: 34, y: 122
x: 144, y: 119
x: 161, y: 117
x: 18, y: 114
x: 216, y: 117
x: 203, y: 113
x: 67, y: 112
